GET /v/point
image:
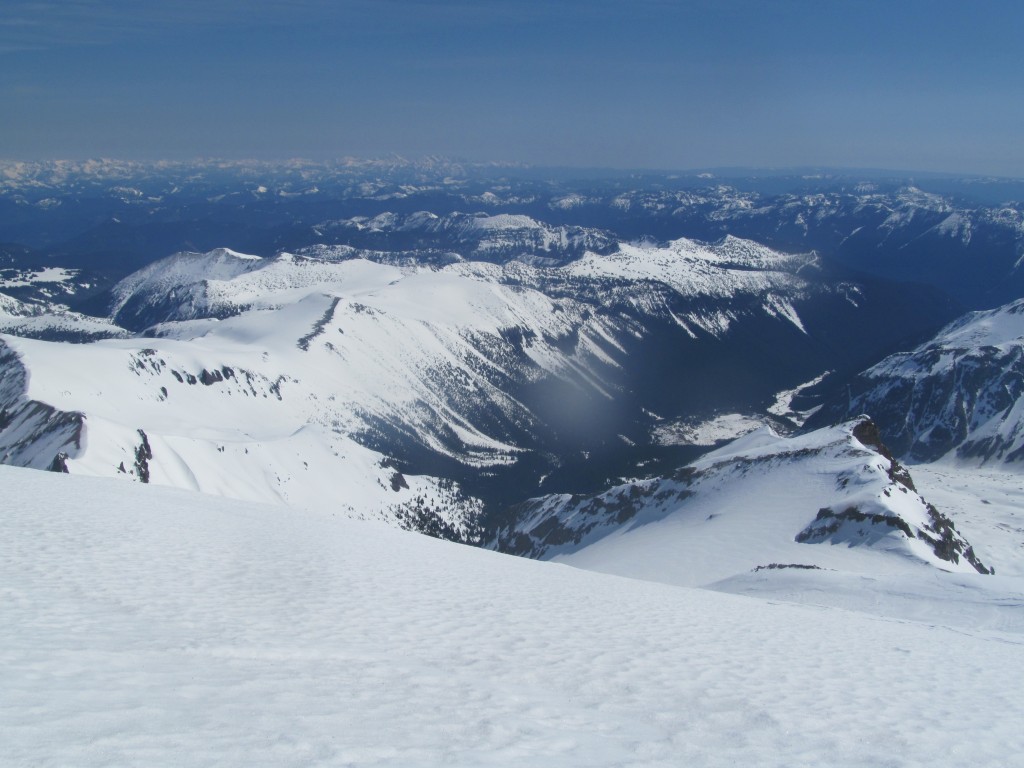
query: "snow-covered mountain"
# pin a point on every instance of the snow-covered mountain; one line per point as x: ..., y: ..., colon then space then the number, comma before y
x: 957, y: 395
x: 261, y: 377
x: 223, y: 282
x: 760, y: 502
x: 891, y: 229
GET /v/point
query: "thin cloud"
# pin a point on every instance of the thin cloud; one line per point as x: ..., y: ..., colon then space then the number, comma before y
x: 30, y: 24
x: 33, y: 25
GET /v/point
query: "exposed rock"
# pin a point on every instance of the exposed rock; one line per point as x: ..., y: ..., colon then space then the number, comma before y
x: 143, y: 454
x: 59, y: 463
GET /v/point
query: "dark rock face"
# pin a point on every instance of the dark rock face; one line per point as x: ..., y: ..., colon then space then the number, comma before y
x: 784, y: 566
x: 398, y: 482
x: 318, y: 327
x: 539, y: 525
x: 866, y: 431
x: 869, y: 435
x: 143, y: 454
x: 852, y: 524
x: 829, y: 522
x: 59, y: 463
x: 947, y: 543
x: 33, y: 434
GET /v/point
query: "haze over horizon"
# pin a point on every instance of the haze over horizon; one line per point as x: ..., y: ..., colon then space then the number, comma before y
x: 920, y: 86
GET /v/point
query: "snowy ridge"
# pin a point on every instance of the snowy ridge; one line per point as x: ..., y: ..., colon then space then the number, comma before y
x: 496, y: 238
x: 758, y: 500
x: 957, y: 226
x: 728, y: 270
x: 957, y: 396
x: 390, y: 332
x: 694, y: 268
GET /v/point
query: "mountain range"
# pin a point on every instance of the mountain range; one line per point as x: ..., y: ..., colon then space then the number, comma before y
x: 493, y: 376
x: 964, y: 235
x: 456, y: 371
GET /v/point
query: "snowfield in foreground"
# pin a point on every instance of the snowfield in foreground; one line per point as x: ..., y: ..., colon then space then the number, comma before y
x: 153, y: 626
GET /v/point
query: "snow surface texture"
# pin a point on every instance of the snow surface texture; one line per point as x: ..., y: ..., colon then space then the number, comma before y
x: 958, y: 396
x: 149, y: 626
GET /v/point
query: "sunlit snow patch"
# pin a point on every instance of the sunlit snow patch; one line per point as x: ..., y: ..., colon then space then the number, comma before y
x: 726, y: 426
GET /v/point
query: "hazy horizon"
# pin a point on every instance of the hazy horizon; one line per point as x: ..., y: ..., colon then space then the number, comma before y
x: 652, y: 85
x: 736, y: 171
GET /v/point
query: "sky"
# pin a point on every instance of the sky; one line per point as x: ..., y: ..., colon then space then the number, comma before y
x: 922, y: 85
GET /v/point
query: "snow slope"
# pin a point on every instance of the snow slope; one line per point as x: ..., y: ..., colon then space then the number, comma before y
x: 987, y: 504
x: 347, y: 346
x: 152, y: 626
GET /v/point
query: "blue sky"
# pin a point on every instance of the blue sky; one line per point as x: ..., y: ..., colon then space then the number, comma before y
x: 643, y: 84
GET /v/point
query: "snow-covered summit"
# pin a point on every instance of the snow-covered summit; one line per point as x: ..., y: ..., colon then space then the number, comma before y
x: 993, y: 328
x: 176, y: 288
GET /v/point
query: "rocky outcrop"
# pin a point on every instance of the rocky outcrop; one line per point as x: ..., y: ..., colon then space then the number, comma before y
x: 33, y: 434
x: 871, y: 502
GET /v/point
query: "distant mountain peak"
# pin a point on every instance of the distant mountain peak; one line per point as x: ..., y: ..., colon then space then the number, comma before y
x: 957, y: 395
